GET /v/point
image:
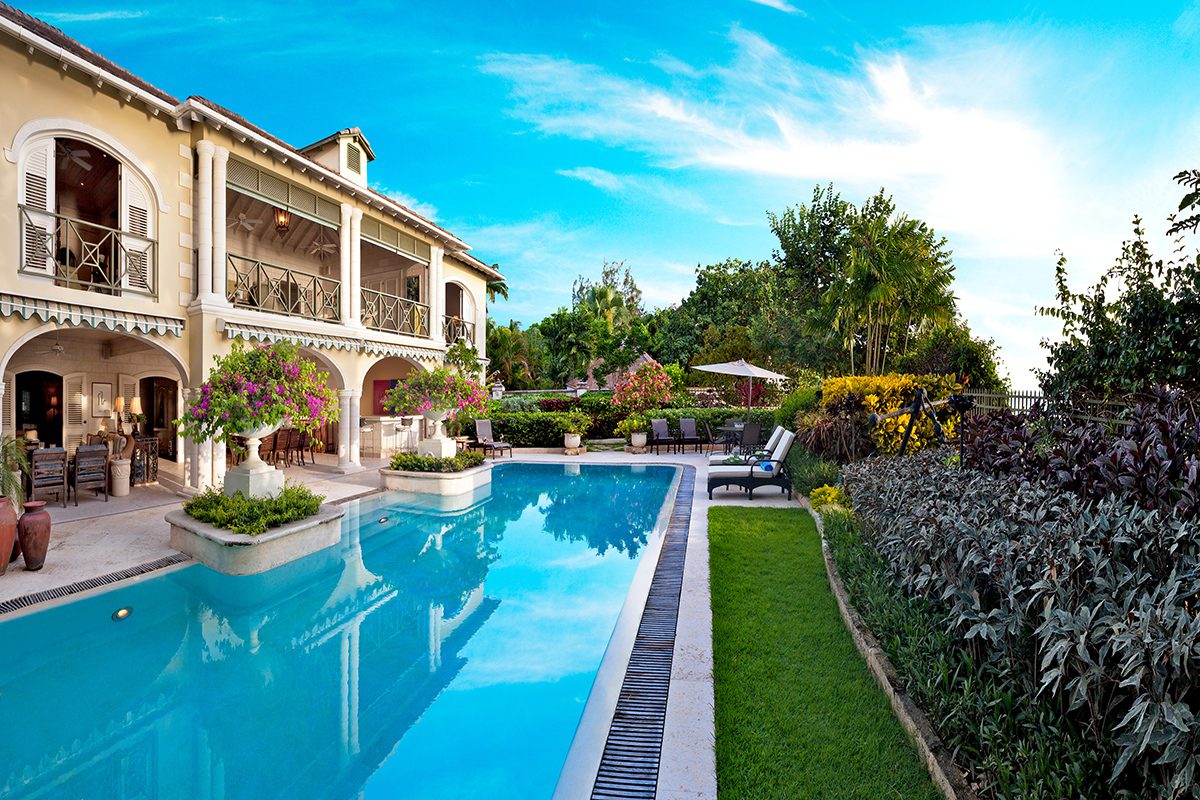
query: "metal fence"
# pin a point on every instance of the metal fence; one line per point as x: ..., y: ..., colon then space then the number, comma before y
x: 1105, y: 412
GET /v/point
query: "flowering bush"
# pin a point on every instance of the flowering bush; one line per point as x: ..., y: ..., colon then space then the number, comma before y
x: 649, y: 386
x: 436, y: 390
x: 881, y: 394
x: 634, y: 423
x: 258, y: 386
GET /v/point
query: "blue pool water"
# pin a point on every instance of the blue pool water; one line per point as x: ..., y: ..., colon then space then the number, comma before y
x: 444, y: 649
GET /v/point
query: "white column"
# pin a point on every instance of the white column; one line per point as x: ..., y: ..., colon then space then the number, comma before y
x: 345, y: 400
x: 203, y: 222
x: 356, y: 267
x: 219, y: 450
x: 437, y: 294
x: 355, y: 397
x: 345, y: 247
x: 219, y: 267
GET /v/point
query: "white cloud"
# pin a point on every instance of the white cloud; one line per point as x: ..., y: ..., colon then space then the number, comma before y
x: 996, y: 139
x: 601, y: 179
x: 779, y: 5
x: 68, y: 17
x: 426, y: 210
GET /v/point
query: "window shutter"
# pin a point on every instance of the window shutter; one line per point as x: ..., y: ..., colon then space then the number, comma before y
x: 37, y: 195
x: 7, y: 414
x: 136, y: 249
x: 74, y: 426
x: 353, y: 158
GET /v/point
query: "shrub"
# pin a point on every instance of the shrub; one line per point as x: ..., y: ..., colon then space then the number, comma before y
x: 531, y: 429
x: 648, y: 386
x: 435, y: 390
x: 840, y: 438
x: 253, y: 515
x: 557, y: 403
x: 796, y: 403
x: 1052, y: 639
x: 634, y: 423
x: 824, y: 496
x: 881, y: 394
x: 598, y: 406
x: 809, y: 470
x: 411, y: 462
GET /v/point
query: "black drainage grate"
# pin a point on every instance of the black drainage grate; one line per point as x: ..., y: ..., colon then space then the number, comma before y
x: 629, y: 766
x: 27, y: 600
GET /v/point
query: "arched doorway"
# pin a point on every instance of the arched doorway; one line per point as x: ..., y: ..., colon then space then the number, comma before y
x: 81, y: 374
x: 383, y: 433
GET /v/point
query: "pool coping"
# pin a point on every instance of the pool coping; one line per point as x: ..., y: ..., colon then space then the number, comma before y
x: 49, y: 598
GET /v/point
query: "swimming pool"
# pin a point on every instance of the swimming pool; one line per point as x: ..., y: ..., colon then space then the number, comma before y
x: 445, y: 648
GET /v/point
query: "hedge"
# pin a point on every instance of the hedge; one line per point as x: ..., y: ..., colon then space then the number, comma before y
x: 411, y: 462
x: 253, y: 515
x: 530, y: 428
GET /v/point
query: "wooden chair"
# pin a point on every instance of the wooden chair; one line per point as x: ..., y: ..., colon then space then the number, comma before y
x: 91, y: 469
x: 485, y: 441
x: 48, y: 473
x: 304, y: 443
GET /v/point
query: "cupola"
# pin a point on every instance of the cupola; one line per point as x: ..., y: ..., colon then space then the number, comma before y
x: 346, y: 152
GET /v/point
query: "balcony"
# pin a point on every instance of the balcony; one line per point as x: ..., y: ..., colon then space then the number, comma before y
x: 268, y: 287
x: 454, y: 329
x: 87, y: 256
x: 392, y: 314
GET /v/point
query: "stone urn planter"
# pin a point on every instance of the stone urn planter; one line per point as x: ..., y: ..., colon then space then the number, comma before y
x: 438, y: 445
x: 34, y: 531
x: 8, y: 533
x: 118, y: 476
x: 254, y: 477
x: 637, y: 439
x: 571, y: 441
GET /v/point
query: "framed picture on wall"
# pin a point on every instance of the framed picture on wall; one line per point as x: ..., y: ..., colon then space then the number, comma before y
x: 102, y: 400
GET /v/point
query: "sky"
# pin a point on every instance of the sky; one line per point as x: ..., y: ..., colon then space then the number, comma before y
x: 555, y: 136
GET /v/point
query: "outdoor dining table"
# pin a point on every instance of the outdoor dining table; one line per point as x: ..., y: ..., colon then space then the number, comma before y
x: 732, y: 435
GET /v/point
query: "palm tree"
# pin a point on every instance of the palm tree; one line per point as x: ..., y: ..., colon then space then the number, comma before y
x: 508, y: 354
x: 497, y: 289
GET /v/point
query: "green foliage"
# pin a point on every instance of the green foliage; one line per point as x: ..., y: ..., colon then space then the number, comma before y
x: 795, y: 403
x: 634, y: 423
x: 464, y: 357
x: 532, y: 429
x: 411, y: 462
x: 649, y: 386
x: 14, y: 463
x: 797, y: 712
x: 824, y: 497
x: 1053, y: 640
x: 1134, y: 328
x: 808, y: 470
x: 952, y: 350
x: 253, y: 515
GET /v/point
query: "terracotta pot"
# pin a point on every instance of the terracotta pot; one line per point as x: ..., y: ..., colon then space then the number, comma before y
x: 8, y: 533
x: 34, y: 530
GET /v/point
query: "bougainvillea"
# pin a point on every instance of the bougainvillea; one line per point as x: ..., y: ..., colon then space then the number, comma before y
x: 649, y: 386
x: 259, y: 386
x: 436, y: 390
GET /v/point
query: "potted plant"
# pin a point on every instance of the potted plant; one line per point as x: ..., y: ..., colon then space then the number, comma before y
x: 251, y: 393
x: 633, y: 428
x: 436, y: 394
x: 574, y: 430
x: 13, y: 462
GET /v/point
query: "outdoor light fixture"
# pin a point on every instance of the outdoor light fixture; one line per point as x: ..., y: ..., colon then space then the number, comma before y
x: 283, y: 220
x: 121, y: 613
x: 382, y: 520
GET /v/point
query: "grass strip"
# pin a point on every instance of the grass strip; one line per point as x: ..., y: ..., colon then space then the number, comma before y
x: 797, y: 712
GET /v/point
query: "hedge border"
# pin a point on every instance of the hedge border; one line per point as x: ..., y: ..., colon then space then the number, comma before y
x: 950, y: 780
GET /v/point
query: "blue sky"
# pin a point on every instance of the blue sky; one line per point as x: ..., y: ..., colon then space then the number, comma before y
x: 552, y: 136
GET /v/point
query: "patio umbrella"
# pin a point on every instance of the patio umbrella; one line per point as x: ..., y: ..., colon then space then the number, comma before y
x: 743, y: 369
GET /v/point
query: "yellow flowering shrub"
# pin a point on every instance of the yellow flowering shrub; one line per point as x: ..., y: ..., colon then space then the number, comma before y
x: 824, y: 496
x: 886, y: 393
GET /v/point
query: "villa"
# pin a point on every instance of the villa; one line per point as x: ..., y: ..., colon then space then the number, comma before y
x: 141, y: 234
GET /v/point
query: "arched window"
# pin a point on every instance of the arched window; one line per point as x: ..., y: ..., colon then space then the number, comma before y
x: 88, y: 219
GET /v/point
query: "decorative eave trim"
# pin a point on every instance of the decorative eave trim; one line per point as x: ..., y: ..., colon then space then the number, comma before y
x: 85, y: 316
x: 320, y: 341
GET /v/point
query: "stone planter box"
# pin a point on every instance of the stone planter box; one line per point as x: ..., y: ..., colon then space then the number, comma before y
x: 443, y: 483
x: 240, y: 554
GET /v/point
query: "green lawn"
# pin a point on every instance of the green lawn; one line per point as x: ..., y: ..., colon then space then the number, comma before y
x: 798, y: 714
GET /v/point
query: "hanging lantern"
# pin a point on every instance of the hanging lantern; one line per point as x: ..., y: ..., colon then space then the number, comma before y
x: 283, y: 220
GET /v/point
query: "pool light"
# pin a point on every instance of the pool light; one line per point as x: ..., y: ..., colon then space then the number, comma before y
x: 121, y: 613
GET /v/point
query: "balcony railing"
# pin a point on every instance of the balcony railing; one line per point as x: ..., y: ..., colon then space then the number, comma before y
x: 387, y: 312
x: 455, y: 328
x: 84, y: 255
x: 280, y: 290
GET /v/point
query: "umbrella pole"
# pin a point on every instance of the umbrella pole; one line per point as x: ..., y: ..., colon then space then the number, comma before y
x: 749, y: 398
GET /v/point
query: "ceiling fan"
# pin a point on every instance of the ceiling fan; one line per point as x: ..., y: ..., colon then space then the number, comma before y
x: 57, y: 349
x: 245, y: 223
x: 76, y: 155
x: 321, y: 247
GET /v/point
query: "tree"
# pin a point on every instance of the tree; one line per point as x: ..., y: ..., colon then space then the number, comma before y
x: 618, y: 277
x: 509, y: 356
x: 814, y: 246
x: 497, y: 289
x: 1145, y: 335
x: 952, y: 350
